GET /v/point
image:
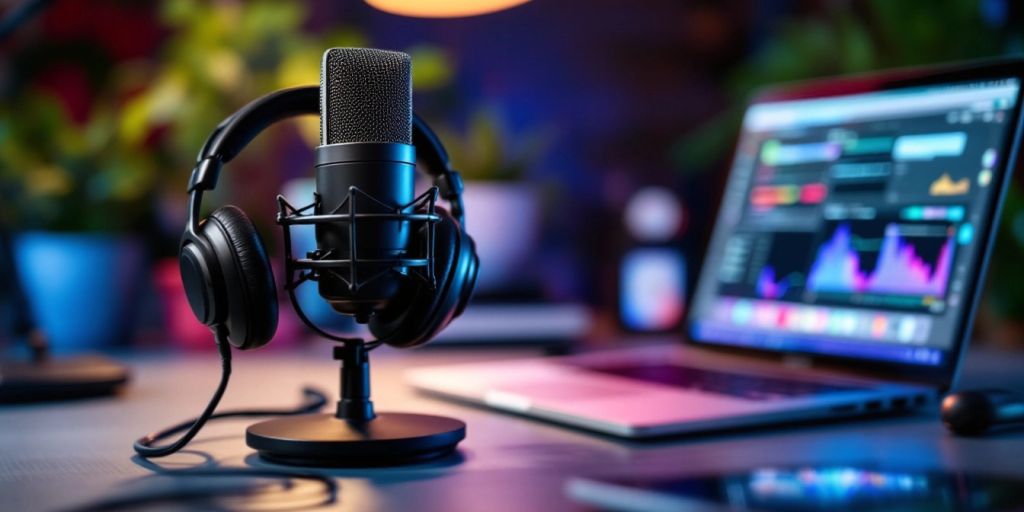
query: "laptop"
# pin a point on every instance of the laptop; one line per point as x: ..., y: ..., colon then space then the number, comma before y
x: 841, y: 278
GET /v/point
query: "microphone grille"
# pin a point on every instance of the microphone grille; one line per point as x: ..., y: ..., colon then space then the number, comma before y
x: 365, y: 96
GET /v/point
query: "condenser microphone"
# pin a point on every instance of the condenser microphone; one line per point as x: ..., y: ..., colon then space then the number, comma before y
x: 365, y: 166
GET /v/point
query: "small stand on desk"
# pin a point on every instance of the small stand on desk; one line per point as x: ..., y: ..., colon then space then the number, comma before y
x: 355, y: 435
x: 43, y: 377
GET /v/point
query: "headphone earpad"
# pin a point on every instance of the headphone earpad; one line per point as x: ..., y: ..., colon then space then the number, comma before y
x: 246, y: 277
x: 419, y: 312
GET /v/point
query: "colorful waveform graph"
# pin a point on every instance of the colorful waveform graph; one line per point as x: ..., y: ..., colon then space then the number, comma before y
x: 947, y: 186
x: 900, y: 270
x: 770, y: 287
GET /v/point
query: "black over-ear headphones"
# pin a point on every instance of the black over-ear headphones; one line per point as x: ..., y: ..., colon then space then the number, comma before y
x: 224, y: 265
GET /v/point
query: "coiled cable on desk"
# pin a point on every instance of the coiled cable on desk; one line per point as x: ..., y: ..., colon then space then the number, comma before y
x: 313, y: 401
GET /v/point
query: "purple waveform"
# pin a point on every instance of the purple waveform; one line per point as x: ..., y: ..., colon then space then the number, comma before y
x: 899, y: 270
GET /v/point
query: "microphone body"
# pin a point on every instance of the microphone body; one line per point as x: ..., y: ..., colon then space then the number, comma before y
x: 365, y: 165
x: 384, y: 175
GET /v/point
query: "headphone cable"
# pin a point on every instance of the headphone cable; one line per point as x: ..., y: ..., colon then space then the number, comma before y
x: 314, y: 400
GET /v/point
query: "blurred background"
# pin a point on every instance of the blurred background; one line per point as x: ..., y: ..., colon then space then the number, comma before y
x: 594, y: 138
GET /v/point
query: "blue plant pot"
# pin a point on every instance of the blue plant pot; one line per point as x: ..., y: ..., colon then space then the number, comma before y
x: 83, y: 288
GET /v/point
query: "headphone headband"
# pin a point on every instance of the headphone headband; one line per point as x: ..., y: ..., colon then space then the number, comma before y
x: 234, y: 134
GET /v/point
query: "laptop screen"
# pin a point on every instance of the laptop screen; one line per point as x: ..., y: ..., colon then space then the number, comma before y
x: 850, y: 224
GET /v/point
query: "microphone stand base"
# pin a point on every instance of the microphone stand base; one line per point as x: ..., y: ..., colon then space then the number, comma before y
x: 323, y: 440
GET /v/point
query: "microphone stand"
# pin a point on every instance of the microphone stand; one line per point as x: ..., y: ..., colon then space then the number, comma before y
x: 355, y: 404
x: 43, y: 377
x: 354, y: 435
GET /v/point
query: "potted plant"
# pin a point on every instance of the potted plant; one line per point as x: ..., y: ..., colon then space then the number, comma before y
x: 505, y: 208
x: 75, y: 196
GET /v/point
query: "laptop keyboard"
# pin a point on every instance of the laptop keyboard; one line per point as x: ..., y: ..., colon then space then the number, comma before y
x: 752, y: 387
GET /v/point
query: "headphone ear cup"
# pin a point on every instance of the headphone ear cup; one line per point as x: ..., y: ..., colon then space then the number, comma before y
x: 247, y: 281
x: 471, y: 271
x: 420, y: 312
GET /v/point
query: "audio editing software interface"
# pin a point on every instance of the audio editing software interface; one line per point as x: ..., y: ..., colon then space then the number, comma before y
x: 852, y: 224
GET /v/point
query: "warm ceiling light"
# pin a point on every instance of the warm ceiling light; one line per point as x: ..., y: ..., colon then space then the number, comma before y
x: 443, y: 8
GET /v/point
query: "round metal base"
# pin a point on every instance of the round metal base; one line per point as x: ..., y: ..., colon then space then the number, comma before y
x: 322, y: 440
x: 60, y: 378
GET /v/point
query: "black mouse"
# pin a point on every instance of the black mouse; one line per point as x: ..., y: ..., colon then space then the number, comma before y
x: 973, y: 413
